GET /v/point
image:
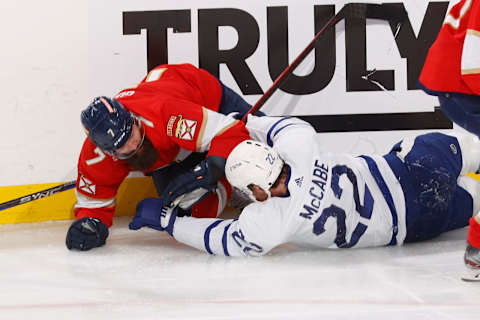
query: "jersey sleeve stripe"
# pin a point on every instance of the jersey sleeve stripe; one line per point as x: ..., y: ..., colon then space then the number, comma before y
x: 470, y: 71
x: 454, y: 21
x: 474, y: 33
x: 470, y: 57
x: 227, y: 127
x: 269, y: 134
x: 224, y: 240
x: 213, y: 125
x: 202, y: 130
x: 382, y: 185
x: 92, y: 203
x: 206, y: 236
x: 288, y: 125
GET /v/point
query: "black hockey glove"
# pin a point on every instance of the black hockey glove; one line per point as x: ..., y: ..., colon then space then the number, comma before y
x: 205, y: 176
x: 86, y: 233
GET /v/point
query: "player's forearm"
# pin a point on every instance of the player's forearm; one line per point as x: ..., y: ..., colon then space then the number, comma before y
x: 271, y: 129
x: 213, y: 236
x: 102, y: 209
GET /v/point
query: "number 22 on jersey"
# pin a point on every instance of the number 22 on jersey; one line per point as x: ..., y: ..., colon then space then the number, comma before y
x: 340, y: 215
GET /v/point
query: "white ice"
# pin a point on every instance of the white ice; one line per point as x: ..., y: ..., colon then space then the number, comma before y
x: 146, y: 274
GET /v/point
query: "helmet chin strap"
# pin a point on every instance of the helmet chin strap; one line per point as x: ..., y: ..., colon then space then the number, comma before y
x: 269, y: 194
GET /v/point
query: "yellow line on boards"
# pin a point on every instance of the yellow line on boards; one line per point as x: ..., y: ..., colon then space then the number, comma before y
x: 60, y: 206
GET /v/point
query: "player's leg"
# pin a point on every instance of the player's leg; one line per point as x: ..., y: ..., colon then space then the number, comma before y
x: 233, y: 102
x: 434, y: 162
x: 472, y: 252
x: 470, y: 151
x: 463, y: 109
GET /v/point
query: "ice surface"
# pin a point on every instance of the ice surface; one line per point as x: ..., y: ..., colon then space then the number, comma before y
x: 146, y: 274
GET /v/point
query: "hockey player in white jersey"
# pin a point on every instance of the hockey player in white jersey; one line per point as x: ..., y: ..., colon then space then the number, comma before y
x: 313, y: 198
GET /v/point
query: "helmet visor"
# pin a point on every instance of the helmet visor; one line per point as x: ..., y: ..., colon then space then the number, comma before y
x: 125, y: 156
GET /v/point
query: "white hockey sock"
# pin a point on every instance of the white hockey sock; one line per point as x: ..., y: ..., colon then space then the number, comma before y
x: 470, y: 146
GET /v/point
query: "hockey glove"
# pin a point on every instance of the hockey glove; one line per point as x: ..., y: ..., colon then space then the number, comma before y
x: 205, y: 176
x: 151, y: 213
x: 86, y: 233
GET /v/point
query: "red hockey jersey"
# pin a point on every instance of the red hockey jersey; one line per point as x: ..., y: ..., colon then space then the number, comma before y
x: 453, y: 61
x: 177, y: 105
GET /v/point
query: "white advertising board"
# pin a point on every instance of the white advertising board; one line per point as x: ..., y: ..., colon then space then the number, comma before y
x: 359, y: 86
x: 56, y: 61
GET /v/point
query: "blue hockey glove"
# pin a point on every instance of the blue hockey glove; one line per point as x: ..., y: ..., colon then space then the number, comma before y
x: 151, y: 213
x: 205, y: 175
x: 86, y: 233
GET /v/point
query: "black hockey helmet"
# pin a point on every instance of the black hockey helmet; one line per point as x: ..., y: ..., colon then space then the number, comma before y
x: 108, y: 123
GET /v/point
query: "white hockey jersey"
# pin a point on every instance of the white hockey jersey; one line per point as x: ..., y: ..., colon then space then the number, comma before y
x: 334, y: 201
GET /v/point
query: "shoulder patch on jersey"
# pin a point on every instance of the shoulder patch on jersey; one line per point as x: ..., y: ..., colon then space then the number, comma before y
x: 170, y: 124
x: 86, y: 185
x: 185, y: 128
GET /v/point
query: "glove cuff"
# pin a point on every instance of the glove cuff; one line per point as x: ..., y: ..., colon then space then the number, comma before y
x: 168, y: 215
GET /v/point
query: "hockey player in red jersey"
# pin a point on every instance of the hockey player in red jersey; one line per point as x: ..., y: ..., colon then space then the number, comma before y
x: 452, y: 72
x: 177, y: 118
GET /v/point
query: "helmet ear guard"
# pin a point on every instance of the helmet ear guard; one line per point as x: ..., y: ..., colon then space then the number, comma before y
x: 252, y: 162
x: 107, y: 123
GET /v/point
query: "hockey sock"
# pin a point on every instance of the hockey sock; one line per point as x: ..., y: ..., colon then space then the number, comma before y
x: 474, y: 233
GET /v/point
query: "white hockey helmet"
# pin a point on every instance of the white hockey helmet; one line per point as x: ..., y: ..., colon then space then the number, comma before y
x: 253, y: 162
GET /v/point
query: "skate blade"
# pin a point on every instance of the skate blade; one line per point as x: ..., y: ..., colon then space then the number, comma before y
x: 471, y: 277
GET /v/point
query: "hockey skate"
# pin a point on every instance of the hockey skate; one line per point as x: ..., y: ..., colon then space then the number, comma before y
x: 472, y: 261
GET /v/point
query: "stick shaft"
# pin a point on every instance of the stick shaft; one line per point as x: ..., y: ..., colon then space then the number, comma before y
x: 37, y: 195
x: 283, y: 76
x: 351, y: 10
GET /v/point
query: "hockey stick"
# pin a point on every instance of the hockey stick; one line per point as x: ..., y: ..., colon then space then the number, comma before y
x: 37, y: 195
x: 348, y: 11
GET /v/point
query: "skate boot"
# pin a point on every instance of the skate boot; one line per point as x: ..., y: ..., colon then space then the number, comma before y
x: 472, y: 261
